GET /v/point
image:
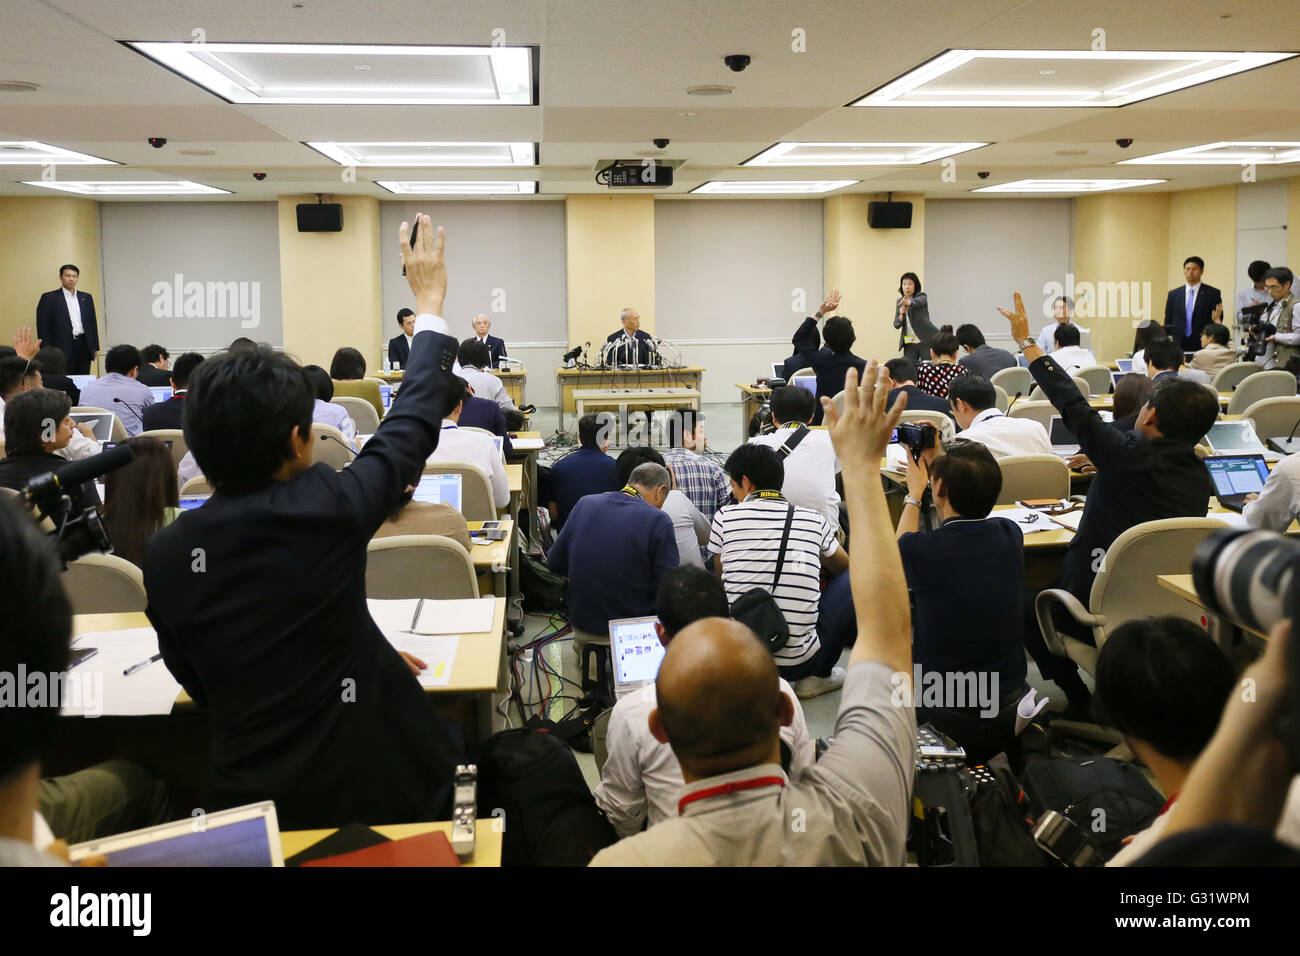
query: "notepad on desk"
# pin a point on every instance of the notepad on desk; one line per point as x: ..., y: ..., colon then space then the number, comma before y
x: 1028, y: 520
x: 527, y: 444
x: 1069, y: 519
x: 100, y: 686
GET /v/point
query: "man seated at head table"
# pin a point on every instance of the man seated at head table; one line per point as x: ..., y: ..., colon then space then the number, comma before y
x: 311, y: 706
x: 496, y: 347
x: 630, y: 345
x: 720, y: 707
x: 641, y: 778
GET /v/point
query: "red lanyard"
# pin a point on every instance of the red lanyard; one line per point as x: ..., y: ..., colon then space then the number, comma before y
x: 725, y: 788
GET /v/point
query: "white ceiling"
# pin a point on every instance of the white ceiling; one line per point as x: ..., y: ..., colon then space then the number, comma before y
x: 613, y: 76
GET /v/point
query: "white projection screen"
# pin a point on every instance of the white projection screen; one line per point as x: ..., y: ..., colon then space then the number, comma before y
x: 190, y: 276
x: 504, y: 259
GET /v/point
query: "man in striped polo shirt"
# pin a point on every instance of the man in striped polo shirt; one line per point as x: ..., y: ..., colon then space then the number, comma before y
x: 747, y: 537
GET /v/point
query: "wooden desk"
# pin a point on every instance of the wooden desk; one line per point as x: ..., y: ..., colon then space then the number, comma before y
x: 568, y: 379
x: 634, y: 398
x: 487, y: 838
x: 514, y: 381
x: 492, y: 561
x: 1107, y: 401
x: 751, y: 399
x: 1220, y: 628
x: 527, y: 459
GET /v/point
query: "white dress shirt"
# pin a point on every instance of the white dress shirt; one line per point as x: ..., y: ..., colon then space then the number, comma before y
x: 689, y: 528
x: 809, y: 472
x: 458, y: 445
x: 1074, y: 357
x: 487, y: 385
x: 1279, y: 502
x: 641, y: 776
x: 74, y: 312
x: 1004, y: 436
x: 1047, y: 337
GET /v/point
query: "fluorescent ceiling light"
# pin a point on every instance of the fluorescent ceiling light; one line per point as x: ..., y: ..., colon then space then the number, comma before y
x: 429, y: 154
x: 857, y: 154
x: 1066, y: 185
x: 31, y: 153
x: 1223, y: 154
x: 353, y: 74
x: 181, y: 187
x: 522, y: 187
x: 1058, y: 77
x: 756, y: 187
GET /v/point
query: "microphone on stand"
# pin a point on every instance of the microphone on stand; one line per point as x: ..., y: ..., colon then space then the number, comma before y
x: 1284, y: 446
x: 1014, y: 400
x: 138, y: 409
x: 324, y: 436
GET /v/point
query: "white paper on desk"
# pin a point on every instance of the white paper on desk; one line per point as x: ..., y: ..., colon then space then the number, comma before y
x: 1231, y: 518
x: 437, y: 651
x: 896, y: 457
x: 104, y: 689
x: 527, y: 444
x: 1027, y: 520
x: 1069, y: 519
x: 467, y: 616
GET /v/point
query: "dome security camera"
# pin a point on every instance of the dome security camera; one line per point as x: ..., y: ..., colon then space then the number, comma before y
x: 736, y: 62
x: 1124, y: 142
x: 157, y: 142
x: 259, y: 176
x: 983, y: 174
x: 661, y: 142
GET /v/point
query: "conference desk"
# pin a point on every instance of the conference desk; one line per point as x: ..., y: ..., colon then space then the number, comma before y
x: 569, y: 379
x: 634, y: 398
x: 487, y: 838
x: 526, y: 458
x: 752, y: 398
x: 493, y: 560
x: 1219, y: 627
x: 175, y: 745
x: 1105, y: 402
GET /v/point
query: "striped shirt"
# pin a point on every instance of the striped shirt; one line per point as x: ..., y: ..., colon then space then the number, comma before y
x: 700, y: 479
x: 748, y: 537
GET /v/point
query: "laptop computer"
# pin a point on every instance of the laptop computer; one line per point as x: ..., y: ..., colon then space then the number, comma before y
x: 806, y: 381
x: 101, y: 424
x: 81, y: 381
x: 1115, y: 377
x: 1064, y: 443
x: 439, y: 488
x: 1234, y: 438
x: 636, y: 652
x: 1124, y: 365
x: 778, y: 370
x: 161, y: 392
x: 1236, y: 476
x: 500, y: 443
x: 241, y: 836
x: 190, y: 502
x: 386, y: 393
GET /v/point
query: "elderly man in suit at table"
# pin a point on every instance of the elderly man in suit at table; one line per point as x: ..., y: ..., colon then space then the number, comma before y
x: 65, y: 318
x: 496, y: 347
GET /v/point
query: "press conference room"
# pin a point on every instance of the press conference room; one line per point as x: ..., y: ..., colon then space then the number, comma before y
x: 550, y: 434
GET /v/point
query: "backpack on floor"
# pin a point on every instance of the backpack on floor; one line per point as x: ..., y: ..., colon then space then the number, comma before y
x: 1106, y: 799
x: 530, y: 781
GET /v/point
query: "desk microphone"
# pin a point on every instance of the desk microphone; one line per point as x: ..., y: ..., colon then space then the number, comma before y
x: 1285, y: 446
x: 138, y: 409
x: 324, y: 436
x: 1014, y: 400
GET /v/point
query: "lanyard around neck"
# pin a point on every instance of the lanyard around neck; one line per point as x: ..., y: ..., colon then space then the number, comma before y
x: 725, y: 788
x: 630, y: 492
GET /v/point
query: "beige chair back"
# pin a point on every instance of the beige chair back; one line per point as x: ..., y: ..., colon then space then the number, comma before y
x: 838, y: 402
x: 1038, y: 411
x: 802, y: 371
x: 1230, y: 376
x: 947, y: 430
x: 1012, y: 380
x: 175, y: 436
x: 1081, y: 384
x: 1274, y: 417
x: 408, y: 566
x: 119, y: 430
x: 197, y: 485
x: 104, y: 584
x: 329, y: 446
x: 476, y: 501
x: 1002, y: 400
x: 1271, y: 384
x: 1098, y: 378
x: 1033, y: 476
x: 361, y: 412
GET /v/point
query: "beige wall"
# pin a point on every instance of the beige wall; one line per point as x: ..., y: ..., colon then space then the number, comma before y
x: 1120, y: 239
x: 610, y: 264
x: 1293, y: 232
x: 37, y: 235
x: 1203, y: 222
x: 330, y: 283
x: 865, y: 263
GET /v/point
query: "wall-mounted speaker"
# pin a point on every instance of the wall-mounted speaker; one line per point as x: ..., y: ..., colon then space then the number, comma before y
x: 889, y: 215
x: 328, y: 217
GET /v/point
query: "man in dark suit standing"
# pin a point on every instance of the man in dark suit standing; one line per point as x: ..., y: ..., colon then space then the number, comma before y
x: 1191, y: 308
x: 399, y: 346
x: 259, y: 597
x: 496, y: 347
x: 630, y: 346
x: 65, y: 318
x: 169, y: 414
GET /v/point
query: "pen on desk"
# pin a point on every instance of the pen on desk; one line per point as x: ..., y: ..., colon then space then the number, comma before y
x: 419, y: 606
x: 142, y: 665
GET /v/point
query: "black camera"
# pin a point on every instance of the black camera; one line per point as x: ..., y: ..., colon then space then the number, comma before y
x: 660, y: 142
x: 1124, y: 142
x: 983, y: 174
x: 736, y: 62
x: 1253, y: 578
x: 157, y: 142
x: 917, y: 436
x: 75, y: 534
x: 259, y: 176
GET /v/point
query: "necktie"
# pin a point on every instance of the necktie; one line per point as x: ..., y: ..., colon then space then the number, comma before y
x: 1191, y: 301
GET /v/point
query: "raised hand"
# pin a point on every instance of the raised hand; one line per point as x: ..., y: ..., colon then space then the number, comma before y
x: 426, y: 270
x: 831, y: 303
x: 25, y: 343
x: 1019, y: 320
x: 862, y: 431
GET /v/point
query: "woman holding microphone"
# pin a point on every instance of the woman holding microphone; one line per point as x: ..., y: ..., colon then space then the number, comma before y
x: 912, y: 319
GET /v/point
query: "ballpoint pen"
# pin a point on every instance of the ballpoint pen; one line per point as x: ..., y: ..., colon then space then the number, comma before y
x: 419, y: 606
x: 142, y: 665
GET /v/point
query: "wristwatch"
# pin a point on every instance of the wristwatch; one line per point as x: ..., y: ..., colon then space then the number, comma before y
x: 909, y: 500
x: 1027, y: 343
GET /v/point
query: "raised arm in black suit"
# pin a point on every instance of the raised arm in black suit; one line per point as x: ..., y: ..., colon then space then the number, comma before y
x: 259, y: 602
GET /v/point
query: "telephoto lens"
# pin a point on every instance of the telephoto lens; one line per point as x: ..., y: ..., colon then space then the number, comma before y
x: 1245, y: 575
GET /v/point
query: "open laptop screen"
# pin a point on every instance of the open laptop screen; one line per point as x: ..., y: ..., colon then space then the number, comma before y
x: 1061, y: 434
x: 635, y: 649
x: 806, y: 381
x: 439, y: 488
x: 161, y: 392
x: 1231, y: 437
x: 101, y: 423
x: 1124, y: 365
x: 241, y: 836
x: 1237, y: 474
